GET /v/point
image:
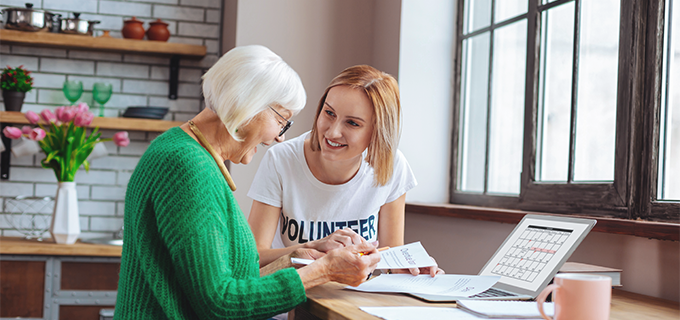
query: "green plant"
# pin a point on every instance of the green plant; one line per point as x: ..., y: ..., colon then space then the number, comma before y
x: 17, y: 79
x: 66, y: 143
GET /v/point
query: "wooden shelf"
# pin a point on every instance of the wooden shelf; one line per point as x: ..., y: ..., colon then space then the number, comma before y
x: 10, y: 245
x: 108, y: 44
x: 131, y: 124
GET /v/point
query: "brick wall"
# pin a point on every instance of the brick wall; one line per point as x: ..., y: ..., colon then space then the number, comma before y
x: 138, y: 80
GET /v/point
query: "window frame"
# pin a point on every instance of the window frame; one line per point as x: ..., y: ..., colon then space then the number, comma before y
x: 631, y: 194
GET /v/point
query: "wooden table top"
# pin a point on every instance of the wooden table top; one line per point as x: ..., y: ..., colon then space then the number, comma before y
x: 47, y: 247
x: 330, y: 301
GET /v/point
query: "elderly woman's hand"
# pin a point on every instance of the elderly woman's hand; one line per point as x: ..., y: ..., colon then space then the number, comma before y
x: 338, y: 239
x: 350, y: 265
x: 307, y: 253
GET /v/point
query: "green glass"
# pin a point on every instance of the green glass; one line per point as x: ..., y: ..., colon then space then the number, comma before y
x: 101, y: 92
x: 72, y: 89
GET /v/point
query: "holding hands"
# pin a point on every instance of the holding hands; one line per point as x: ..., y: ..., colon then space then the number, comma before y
x: 338, y: 239
x: 347, y: 237
x: 349, y: 265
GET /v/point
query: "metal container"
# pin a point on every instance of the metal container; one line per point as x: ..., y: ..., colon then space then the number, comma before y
x: 27, y: 19
x: 76, y: 25
x: 56, y: 23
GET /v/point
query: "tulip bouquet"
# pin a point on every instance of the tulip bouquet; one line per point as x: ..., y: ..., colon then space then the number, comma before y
x: 66, y: 143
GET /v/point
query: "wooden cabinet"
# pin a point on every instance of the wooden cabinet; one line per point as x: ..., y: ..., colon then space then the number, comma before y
x: 50, y: 281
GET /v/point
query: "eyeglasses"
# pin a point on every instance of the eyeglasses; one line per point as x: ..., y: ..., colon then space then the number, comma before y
x: 288, y: 122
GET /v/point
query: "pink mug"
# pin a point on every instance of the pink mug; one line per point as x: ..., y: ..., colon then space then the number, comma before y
x: 578, y: 297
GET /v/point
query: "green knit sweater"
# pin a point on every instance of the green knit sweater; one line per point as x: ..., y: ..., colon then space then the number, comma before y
x: 189, y: 253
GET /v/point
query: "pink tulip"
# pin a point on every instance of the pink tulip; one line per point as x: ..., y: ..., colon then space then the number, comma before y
x: 121, y: 139
x: 82, y: 107
x: 83, y: 119
x: 12, y: 132
x: 37, y: 134
x: 65, y: 114
x: 32, y: 117
x: 48, y: 116
x: 26, y: 130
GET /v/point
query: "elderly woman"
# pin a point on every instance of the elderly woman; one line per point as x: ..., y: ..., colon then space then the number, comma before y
x: 189, y: 253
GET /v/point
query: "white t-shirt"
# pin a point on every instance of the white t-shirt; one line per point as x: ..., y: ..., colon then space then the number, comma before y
x: 311, y: 210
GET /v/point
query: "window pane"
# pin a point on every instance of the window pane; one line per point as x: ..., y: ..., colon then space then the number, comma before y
x: 477, y: 15
x: 597, y: 83
x: 474, y: 88
x: 555, y: 93
x: 506, y: 9
x: 507, y: 108
x: 669, y: 155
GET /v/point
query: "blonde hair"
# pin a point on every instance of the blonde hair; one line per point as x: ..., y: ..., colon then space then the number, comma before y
x: 383, y: 91
x: 245, y: 81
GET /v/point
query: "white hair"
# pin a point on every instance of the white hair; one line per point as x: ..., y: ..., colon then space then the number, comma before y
x: 248, y: 79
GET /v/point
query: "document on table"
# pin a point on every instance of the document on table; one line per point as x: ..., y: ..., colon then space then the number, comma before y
x: 411, y: 255
x: 446, y: 284
x: 506, y: 309
x: 408, y: 313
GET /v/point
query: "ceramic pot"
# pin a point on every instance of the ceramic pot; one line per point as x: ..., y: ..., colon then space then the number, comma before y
x: 65, y: 226
x: 13, y: 100
x: 133, y: 29
x: 158, y: 31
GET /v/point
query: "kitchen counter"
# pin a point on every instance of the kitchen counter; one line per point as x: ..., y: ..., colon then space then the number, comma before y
x: 20, y: 246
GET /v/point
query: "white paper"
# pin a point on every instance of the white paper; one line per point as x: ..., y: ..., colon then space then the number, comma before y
x: 446, y: 284
x: 301, y: 261
x: 411, y: 255
x: 409, y: 313
x: 501, y: 309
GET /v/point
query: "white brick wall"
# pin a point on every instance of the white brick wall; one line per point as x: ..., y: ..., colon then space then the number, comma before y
x: 137, y: 80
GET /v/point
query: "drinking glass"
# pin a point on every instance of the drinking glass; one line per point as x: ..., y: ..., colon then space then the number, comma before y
x: 72, y: 89
x: 101, y: 92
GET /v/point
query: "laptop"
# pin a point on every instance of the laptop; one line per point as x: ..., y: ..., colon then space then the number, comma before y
x: 529, y: 257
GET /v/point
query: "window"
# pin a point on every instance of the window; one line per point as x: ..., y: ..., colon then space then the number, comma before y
x: 560, y: 107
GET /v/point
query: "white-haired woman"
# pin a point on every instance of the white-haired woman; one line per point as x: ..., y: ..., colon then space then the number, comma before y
x: 189, y: 253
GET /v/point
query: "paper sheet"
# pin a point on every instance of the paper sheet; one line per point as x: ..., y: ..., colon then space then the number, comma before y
x: 409, y: 313
x: 301, y: 261
x: 411, y: 255
x: 445, y: 284
x: 505, y: 309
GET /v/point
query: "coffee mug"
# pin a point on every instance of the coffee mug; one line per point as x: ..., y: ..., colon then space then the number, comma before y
x: 578, y: 297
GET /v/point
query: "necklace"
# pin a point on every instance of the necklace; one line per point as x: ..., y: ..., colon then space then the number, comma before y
x: 213, y: 153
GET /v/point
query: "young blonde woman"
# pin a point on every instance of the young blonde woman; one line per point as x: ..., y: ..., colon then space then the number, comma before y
x: 343, y: 181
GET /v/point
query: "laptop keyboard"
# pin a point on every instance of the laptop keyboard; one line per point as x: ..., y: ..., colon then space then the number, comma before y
x: 493, y: 292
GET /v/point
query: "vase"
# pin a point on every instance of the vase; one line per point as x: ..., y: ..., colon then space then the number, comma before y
x: 158, y: 31
x: 133, y: 29
x: 65, y: 226
x: 13, y: 100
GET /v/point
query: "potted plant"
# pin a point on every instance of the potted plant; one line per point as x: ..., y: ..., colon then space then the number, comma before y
x: 15, y: 83
x: 66, y: 145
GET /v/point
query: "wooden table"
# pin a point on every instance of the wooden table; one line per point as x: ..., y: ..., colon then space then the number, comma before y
x: 330, y: 301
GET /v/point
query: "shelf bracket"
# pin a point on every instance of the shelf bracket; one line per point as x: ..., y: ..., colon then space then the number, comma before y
x: 5, y: 155
x: 174, y: 77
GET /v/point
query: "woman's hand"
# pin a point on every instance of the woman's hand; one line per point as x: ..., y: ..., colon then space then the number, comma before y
x: 338, y: 239
x: 349, y: 265
x: 307, y: 253
x: 434, y: 270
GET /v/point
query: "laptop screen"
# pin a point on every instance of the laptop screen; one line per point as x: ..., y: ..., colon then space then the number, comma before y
x: 534, y: 251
